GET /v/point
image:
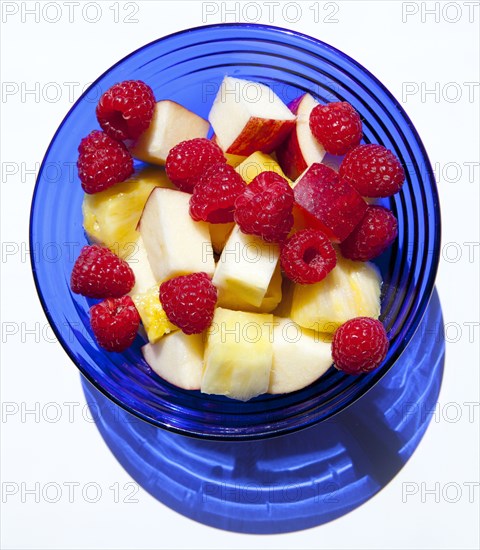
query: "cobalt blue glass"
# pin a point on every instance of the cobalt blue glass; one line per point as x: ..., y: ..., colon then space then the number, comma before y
x: 187, y: 67
x: 295, y: 481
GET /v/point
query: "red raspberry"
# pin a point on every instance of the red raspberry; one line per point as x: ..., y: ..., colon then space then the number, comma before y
x: 359, y: 345
x: 115, y: 323
x: 126, y: 109
x: 373, y: 170
x: 98, y: 273
x: 189, y: 301
x: 372, y: 236
x: 308, y: 256
x: 187, y: 161
x: 102, y: 162
x: 337, y: 126
x: 214, y: 195
x: 265, y: 208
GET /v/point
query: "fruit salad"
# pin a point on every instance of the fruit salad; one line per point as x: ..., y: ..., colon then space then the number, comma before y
x: 230, y: 245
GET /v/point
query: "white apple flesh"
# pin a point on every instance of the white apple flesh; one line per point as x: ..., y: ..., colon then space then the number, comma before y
x: 175, y: 244
x: 248, y: 116
x: 171, y: 124
x: 300, y: 149
x: 300, y: 356
x: 139, y: 264
x: 177, y: 358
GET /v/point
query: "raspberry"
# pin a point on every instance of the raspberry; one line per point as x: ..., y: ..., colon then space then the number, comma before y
x: 359, y: 345
x: 98, y: 273
x: 102, y: 162
x: 265, y: 208
x: 189, y: 301
x: 372, y: 236
x: 214, y: 195
x: 115, y: 323
x: 373, y: 170
x: 337, y: 126
x: 308, y: 256
x: 126, y: 109
x: 187, y: 161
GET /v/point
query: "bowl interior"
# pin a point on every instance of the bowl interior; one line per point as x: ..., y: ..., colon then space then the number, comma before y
x: 188, y: 68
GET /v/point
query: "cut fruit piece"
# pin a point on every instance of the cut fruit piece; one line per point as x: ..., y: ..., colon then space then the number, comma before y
x: 238, y: 354
x: 331, y: 203
x: 139, y: 264
x: 300, y: 357
x: 284, y: 308
x: 245, y: 267
x: 300, y: 219
x: 175, y: 244
x: 219, y: 233
x: 111, y: 216
x: 154, y: 319
x: 270, y: 301
x: 171, y: 124
x: 300, y: 149
x: 257, y: 163
x: 234, y: 160
x: 178, y: 359
x: 248, y: 116
x: 351, y: 289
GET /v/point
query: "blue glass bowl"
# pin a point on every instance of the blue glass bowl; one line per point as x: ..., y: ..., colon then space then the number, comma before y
x: 187, y: 67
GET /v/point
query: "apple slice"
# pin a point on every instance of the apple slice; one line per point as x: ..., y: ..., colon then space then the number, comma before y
x: 175, y: 244
x: 257, y: 163
x: 170, y: 125
x: 300, y: 149
x: 330, y: 203
x: 232, y: 160
x: 138, y: 262
x: 245, y: 267
x: 248, y: 116
x: 300, y: 356
x: 177, y: 358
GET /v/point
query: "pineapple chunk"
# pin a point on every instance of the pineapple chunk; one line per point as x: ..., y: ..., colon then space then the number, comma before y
x: 154, y: 318
x: 270, y: 301
x: 257, y: 163
x: 300, y: 356
x: 219, y: 233
x: 246, y: 267
x: 171, y: 124
x: 234, y: 160
x: 284, y: 308
x: 351, y: 289
x: 238, y: 354
x: 111, y: 216
x: 178, y: 359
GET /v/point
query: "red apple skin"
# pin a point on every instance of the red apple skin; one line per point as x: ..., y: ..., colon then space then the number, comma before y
x: 289, y: 154
x: 290, y: 157
x: 330, y: 203
x: 260, y: 134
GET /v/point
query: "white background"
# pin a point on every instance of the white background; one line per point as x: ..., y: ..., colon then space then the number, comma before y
x: 411, y: 51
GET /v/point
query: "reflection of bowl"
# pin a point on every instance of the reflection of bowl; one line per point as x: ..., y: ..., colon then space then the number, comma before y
x: 188, y: 67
